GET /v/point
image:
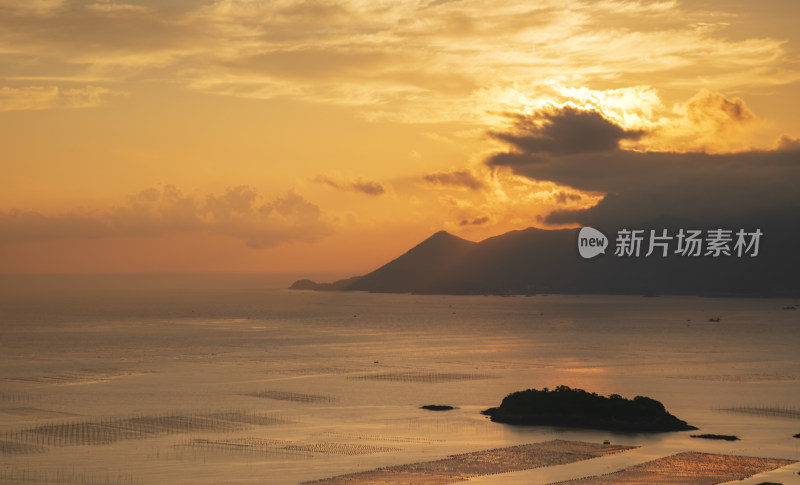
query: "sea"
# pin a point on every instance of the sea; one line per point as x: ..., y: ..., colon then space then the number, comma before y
x: 234, y: 379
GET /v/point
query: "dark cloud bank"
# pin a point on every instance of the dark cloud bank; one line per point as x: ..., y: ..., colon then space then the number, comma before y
x: 581, y: 149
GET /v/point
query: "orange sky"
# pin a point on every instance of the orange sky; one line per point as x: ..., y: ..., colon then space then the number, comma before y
x: 330, y: 136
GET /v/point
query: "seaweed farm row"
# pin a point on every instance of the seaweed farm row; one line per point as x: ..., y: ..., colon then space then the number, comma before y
x: 10, y: 396
x: 110, y: 430
x: 292, y: 396
x: 777, y: 411
x: 423, y: 377
x: 260, y: 446
x: 64, y: 476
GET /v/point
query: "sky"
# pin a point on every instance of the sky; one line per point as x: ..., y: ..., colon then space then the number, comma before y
x: 331, y: 136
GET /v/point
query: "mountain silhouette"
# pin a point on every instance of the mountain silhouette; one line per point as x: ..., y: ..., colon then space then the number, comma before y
x: 533, y: 260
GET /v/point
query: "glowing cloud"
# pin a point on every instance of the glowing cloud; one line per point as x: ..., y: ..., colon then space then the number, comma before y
x: 400, y: 60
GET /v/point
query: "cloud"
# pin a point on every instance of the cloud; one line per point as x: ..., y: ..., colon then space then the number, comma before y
x: 408, y: 61
x: 78, y: 40
x: 707, y: 107
x: 709, y: 122
x: 565, y: 131
x: 632, y: 118
x: 49, y: 97
x: 315, y: 62
x: 367, y: 187
x: 562, y: 197
x: 478, y: 221
x: 113, y: 8
x: 456, y: 178
x: 239, y: 212
x: 505, y: 202
x: 755, y: 186
x: 32, y: 7
x: 787, y: 143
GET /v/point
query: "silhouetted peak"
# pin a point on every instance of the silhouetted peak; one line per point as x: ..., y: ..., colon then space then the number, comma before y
x: 443, y: 239
x: 442, y: 234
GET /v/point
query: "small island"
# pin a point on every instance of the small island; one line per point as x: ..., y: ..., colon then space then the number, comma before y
x: 724, y: 437
x: 577, y: 408
x: 437, y: 407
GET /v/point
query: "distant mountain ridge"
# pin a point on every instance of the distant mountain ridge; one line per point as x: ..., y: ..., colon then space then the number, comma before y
x: 533, y: 260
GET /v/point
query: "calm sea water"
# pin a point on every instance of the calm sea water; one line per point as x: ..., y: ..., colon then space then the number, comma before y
x: 230, y: 380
